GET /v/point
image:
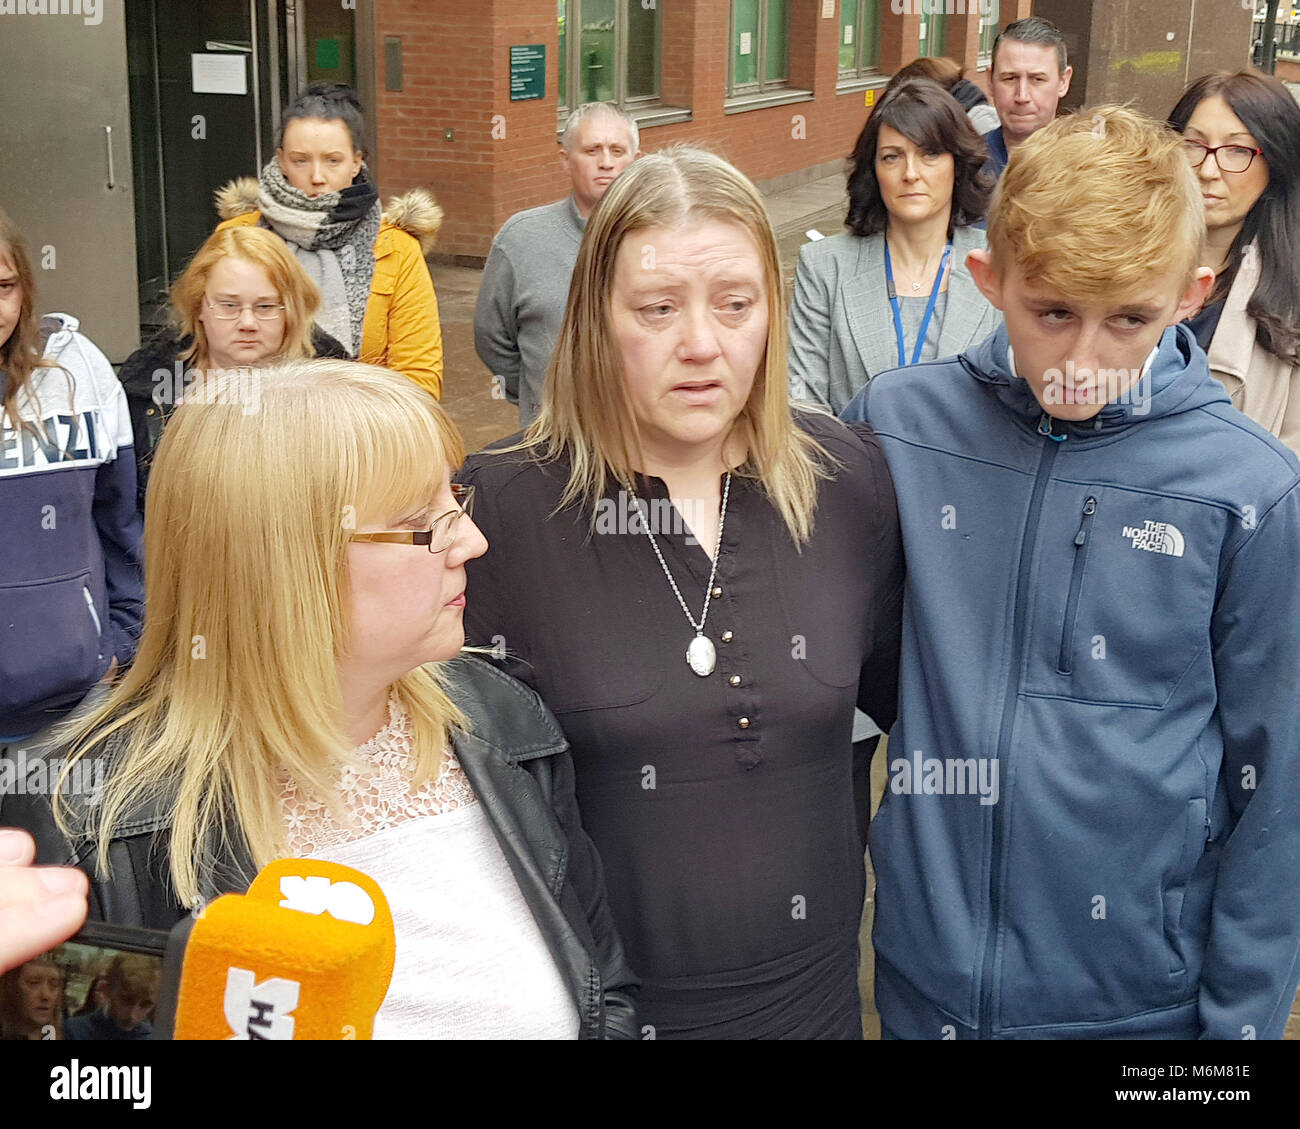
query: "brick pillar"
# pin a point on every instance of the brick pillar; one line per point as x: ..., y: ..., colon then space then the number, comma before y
x: 963, y: 34
x: 900, y: 37
x: 677, y: 61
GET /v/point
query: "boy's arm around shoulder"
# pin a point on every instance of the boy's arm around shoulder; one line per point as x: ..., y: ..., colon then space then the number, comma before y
x: 1252, y: 960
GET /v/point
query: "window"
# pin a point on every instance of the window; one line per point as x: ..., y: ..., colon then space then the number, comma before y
x: 990, y: 16
x: 609, y: 52
x: 932, y: 31
x: 859, y: 36
x: 760, y: 45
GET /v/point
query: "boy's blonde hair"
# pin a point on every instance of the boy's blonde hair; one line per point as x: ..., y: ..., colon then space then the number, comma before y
x: 1098, y: 204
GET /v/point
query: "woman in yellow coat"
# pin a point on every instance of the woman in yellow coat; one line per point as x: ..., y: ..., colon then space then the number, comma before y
x: 368, y: 262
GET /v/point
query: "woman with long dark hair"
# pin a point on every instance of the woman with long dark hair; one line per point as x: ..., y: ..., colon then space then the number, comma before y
x: 894, y: 290
x: 368, y: 261
x: 1242, y: 135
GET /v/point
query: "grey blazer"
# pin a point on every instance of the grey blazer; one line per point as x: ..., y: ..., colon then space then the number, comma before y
x: 841, y: 324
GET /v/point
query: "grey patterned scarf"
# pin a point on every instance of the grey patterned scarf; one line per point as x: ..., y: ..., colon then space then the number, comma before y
x: 333, y: 237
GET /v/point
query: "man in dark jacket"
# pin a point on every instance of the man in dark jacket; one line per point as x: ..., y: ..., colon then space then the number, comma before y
x: 1093, y: 813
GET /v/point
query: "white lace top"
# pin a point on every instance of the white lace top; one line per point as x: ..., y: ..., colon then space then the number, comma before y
x: 471, y: 962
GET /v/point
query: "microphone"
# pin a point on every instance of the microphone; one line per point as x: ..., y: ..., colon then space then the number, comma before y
x: 306, y: 953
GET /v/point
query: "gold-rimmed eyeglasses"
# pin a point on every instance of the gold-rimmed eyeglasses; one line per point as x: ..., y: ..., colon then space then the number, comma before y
x: 441, y: 533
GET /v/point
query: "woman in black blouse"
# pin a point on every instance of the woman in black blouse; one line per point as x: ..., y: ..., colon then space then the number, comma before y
x: 704, y: 662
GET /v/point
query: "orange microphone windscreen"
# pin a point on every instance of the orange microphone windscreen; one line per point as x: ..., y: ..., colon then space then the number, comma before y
x: 306, y: 953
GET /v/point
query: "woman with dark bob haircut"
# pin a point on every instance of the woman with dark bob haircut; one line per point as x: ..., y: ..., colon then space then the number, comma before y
x: 895, y: 289
x: 1242, y: 136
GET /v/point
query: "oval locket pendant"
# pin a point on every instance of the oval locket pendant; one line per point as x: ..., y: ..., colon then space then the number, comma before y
x: 702, y: 656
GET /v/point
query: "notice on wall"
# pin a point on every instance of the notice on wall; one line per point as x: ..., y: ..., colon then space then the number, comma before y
x: 527, y: 72
x: 746, y: 43
x: 828, y: 9
x: 848, y: 34
x: 218, y: 74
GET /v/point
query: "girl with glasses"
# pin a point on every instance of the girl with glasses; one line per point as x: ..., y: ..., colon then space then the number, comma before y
x: 300, y: 692
x: 242, y: 302
x: 1242, y: 136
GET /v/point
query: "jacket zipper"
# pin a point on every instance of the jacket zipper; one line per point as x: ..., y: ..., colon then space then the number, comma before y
x: 1051, y: 444
x: 1065, y: 664
x: 90, y: 603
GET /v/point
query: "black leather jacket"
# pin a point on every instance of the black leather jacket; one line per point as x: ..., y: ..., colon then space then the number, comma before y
x: 518, y: 762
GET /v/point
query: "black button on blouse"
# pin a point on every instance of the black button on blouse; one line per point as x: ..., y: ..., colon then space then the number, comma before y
x: 722, y: 806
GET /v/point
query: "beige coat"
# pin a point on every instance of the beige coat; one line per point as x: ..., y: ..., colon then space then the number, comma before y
x: 1261, y: 385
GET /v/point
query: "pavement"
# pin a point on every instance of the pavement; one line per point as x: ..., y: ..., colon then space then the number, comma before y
x: 482, y: 417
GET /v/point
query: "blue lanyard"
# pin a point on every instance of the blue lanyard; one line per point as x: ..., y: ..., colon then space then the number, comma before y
x: 898, y: 309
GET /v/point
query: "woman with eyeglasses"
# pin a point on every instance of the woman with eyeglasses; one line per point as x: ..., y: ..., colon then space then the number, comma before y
x: 243, y: 301
x: 300, y: 692
x: 1242, y: 134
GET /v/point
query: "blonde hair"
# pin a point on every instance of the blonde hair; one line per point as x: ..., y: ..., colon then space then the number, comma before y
x: 587, y: 414
x: 262, y: 248
x: 247, y: 523
x: 1098, y: 204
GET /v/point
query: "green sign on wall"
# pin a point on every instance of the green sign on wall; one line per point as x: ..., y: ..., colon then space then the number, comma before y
x: 527, y: 72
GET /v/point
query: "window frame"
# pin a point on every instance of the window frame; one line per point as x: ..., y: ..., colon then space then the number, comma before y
x: 572, y: 52
x: 929, y: 18
x: 859, y: 70
x: 763, y: 85
x: 989, y: 25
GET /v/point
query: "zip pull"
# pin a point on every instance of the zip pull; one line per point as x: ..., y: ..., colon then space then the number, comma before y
x: 90, y: 603
x: 1045, y: 429
x: 1089, y: 508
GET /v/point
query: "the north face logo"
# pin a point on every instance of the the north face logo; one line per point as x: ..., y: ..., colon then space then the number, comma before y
x: 1156, y: 537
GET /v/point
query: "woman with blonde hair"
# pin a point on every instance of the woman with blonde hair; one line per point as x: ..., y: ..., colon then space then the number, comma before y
x: 298, y: 693
x: 242, y: 302
x: 702, y: 584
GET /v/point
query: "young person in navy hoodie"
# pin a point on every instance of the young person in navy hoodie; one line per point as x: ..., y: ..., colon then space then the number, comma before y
x: 1092, y: 821
x: 71, y: 587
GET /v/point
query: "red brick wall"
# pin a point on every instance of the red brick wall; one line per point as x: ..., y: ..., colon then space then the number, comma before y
x: 456, y: 75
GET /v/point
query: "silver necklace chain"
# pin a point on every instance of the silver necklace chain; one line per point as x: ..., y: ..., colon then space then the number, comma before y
x: 713, y: 572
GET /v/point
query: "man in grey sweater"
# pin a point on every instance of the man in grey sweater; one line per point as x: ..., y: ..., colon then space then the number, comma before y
x: 525, y: 284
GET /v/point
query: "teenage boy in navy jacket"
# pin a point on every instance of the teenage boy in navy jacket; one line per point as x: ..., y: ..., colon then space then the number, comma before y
x: 1092, y: 822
